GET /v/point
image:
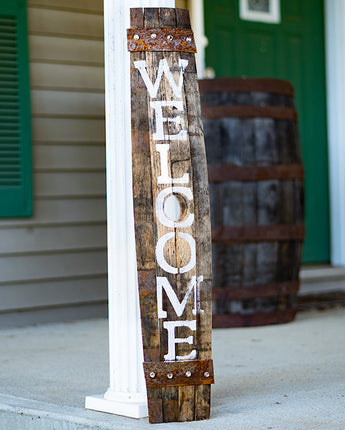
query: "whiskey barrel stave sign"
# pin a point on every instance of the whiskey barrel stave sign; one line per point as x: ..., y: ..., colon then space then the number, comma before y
x: 171, y: 211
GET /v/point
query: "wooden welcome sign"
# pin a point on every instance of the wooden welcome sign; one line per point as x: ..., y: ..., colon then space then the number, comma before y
x: 172, y: 220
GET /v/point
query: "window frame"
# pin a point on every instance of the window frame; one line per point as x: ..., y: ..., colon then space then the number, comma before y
x: 273, y: 16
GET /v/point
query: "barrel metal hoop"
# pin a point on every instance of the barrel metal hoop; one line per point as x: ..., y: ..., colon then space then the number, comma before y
x: 254, y: 319
x: 248, y: 111
x: 241, y: 85
x: 230, y: 172
x: 258, y: 233
x: 255, y: 291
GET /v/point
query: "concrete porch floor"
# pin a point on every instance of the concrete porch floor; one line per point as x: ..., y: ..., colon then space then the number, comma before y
x: 276, y: 377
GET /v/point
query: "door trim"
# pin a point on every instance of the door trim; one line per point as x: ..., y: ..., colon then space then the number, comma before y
x: 335, y: 72
x: 197, y: 16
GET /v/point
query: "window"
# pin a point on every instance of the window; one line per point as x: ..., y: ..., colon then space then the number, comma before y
x: 15, y: 116
x: 260, y: 10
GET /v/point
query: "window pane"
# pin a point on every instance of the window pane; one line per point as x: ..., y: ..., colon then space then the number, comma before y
x: 259, y: 5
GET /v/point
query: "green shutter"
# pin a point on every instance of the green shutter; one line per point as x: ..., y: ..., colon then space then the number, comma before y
x: 15, y: 116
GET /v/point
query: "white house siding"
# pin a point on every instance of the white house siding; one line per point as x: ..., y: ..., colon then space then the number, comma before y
x: 58, y: 257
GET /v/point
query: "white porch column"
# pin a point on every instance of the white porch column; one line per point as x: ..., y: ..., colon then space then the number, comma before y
x: 335, y: 59
x: 198, y: 27
x: 126, y: 394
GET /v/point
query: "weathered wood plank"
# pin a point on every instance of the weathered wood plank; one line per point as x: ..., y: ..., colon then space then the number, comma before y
x: 173, y: 398
x: 203, y: 233
x: 144, y: 225
x: 171, y: 195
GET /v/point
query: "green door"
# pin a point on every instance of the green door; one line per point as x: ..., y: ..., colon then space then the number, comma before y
x: 294, y: 50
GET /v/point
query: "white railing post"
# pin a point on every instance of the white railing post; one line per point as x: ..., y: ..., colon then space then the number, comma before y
x: 335, y: 61
x: 126, y: 394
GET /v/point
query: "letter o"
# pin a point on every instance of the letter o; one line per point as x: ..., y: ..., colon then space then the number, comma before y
x: 160, y: 253
x: 184, y: 191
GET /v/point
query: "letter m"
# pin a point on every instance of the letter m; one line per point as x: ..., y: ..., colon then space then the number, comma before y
x: 179, y: 307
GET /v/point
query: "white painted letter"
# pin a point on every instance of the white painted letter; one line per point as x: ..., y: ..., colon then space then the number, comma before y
x: 191, y: 242
x: 160, y: 253
x: 163, y: 283
x: 163, y: 68
x: 163, y: 149
x: 161, y: 215
x: 172, y: 340
x: 160, y: 120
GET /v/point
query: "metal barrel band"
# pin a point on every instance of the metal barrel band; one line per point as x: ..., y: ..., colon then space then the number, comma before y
x: 161, y: 39
x: 255, y: 291
x: 179, y: 373
x: 244, y: 111
x: 241, y: 85
x: 257, y: 233
x: 229, y: 172
x: 253, y: 319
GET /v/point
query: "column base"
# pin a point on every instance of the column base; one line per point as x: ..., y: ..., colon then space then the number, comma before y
x: 133, y: 409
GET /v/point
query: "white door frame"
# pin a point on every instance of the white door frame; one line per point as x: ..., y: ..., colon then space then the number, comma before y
x: 335, y: 72
x: 198, y: 26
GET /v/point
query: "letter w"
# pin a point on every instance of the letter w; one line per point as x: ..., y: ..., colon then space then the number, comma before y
x: 179, y: 307
x: 163, y: 68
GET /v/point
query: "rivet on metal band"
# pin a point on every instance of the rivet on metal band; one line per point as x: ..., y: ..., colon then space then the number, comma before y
x: 191, y: 372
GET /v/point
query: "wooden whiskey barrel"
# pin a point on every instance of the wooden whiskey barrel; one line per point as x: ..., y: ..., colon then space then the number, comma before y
x: 256, y: 197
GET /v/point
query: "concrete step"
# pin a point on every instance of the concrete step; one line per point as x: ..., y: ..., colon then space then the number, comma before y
x: 321, y: 279
x: 322, y: 287
x: 24, y: 414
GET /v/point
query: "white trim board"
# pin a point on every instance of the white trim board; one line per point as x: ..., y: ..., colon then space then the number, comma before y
x: 335, y: 72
